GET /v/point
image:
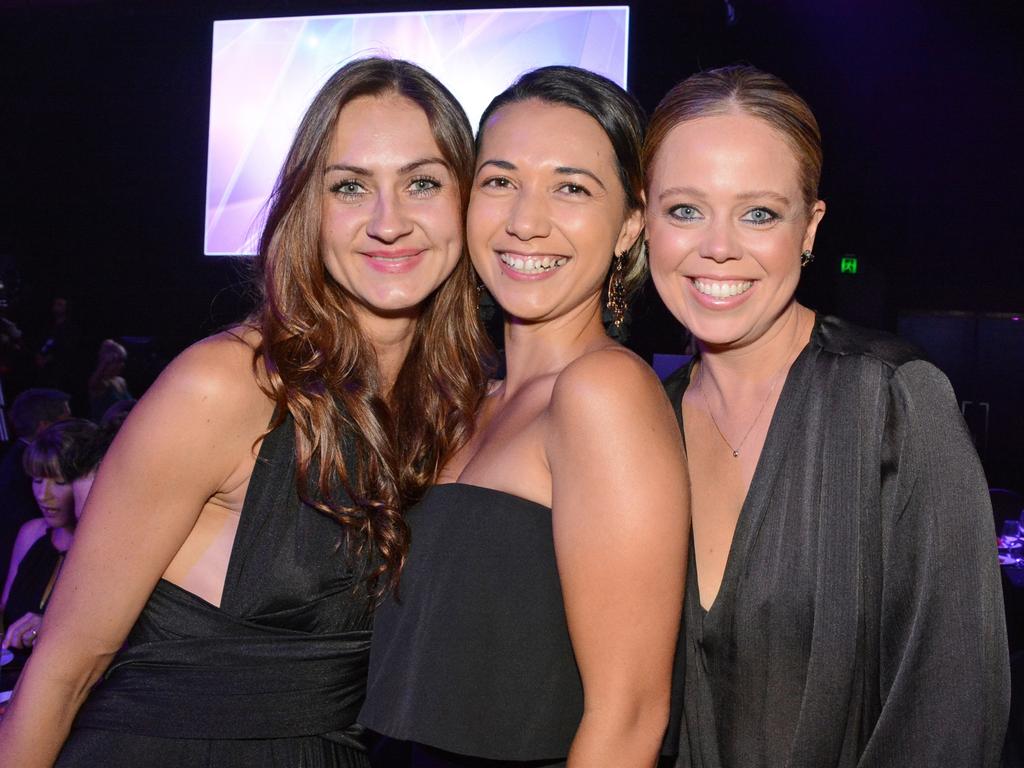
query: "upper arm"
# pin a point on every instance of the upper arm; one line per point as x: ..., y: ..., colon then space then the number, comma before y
x: 943, y: 637
x: 28, y: 534
x: 620, y: 506
x: 177, y: 449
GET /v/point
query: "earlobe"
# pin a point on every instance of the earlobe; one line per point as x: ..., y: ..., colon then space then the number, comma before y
x: 631, y: 229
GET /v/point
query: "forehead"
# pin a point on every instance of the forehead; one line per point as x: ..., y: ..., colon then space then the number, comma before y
x: 542, y: 133
x: 734, y: 149
x: 383, y: 129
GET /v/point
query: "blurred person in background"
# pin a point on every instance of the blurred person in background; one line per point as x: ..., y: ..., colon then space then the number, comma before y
x: 106, y: 384
x: 32, y: 412
x: 52, y: 460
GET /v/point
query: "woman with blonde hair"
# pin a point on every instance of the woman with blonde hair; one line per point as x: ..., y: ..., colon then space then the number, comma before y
x: 248, y: 514
x: 843, y: 603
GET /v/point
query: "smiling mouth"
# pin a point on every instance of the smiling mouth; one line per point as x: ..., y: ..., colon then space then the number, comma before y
x: 722, y: 289
x: 532, y: 265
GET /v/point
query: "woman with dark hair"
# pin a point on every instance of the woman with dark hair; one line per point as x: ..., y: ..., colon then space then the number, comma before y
x: 540, y: 604
x: 843, y: 604
x: 51, y: 461
x: 248, y: 514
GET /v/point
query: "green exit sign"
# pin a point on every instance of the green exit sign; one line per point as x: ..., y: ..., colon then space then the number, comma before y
x: 848, y: 265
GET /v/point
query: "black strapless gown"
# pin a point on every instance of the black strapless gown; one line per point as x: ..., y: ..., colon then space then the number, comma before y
x: 474, y: 666
x: 273, y: 677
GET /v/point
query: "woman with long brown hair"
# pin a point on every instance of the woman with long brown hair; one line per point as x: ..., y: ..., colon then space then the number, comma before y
x: 248, y: 514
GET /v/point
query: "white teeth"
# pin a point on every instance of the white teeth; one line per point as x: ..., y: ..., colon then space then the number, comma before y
x: 531, y: 264
x: 722, y: 290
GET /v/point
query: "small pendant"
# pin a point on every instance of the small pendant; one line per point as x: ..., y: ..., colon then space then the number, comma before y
x: 735, y: 454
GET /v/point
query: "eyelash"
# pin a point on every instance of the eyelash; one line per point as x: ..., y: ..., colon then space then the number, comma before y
x: 503, y: 182
x: 435, y: 185
x: 772, y: 216
x: 496, y: 182
x: 675, y: 210
x: 576, y: 188
x: 338, y: 187
x: 771, y: 219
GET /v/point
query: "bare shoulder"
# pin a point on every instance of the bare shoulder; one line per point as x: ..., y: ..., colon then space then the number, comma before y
x: 611, y: 377
x: 215, y: 374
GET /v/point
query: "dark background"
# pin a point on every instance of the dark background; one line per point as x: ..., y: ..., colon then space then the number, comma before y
x: 103, y: 132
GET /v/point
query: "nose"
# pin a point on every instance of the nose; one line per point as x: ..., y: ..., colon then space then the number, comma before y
x: 388, y: 220
x: 719, y: 242
x: 528, y: 217
x: 43, y: 489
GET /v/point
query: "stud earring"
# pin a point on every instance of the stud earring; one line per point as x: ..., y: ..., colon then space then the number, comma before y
x: 617, y: 292
x: 806, y: 258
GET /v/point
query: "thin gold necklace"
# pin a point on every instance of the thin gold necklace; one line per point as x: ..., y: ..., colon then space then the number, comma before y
x: 736, y: 449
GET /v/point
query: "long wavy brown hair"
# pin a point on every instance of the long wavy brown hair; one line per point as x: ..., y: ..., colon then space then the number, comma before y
x: 321, y: 368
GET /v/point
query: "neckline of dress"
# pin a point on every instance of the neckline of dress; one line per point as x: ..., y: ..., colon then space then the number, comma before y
x: 487, y: 489
x: 764, y: 473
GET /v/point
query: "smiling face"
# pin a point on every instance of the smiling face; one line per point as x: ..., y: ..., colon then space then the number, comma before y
x: 726, y: 224
x: 547, y: 210
x: 391, y: 227
x: 56, y: 501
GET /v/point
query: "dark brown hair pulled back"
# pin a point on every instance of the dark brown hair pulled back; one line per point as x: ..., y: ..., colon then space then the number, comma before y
x: 621, y: 118
x: 321, y: 368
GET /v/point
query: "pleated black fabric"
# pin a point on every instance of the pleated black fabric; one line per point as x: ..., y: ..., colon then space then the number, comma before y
x: 475, y: 661
x: 859, y: 621
x: 273, y: 677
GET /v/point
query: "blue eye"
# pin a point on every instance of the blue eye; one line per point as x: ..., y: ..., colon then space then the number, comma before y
x: 348, y: 188
x: 424, y: 185
x: 760, y: 216
x: 684, y: 213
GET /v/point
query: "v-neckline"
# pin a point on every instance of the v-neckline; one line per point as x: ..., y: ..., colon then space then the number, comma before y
x: 748, y: 522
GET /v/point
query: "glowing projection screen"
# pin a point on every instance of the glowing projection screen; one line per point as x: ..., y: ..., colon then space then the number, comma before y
x: 266, y: 72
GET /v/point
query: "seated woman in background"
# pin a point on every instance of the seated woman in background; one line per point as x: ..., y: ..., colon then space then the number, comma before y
x: 843, y: 604
x: 540, y: 604
x: 248, y: 511
x: 52, y: 461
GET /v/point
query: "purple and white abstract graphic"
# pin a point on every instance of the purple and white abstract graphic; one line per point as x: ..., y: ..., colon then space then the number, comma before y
x: 266, y: 72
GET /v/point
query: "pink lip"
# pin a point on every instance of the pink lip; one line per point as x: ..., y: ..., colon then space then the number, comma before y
x: 396, y: 261
x: 728, y: 302
x: 514, y: 275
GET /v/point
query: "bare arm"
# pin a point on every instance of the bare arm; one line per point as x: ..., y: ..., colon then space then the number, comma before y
x: 178, y: 448
x: 620, y: 501
x: 28, y: 535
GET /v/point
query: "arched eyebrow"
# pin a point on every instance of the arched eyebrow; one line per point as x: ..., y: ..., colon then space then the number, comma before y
x: 742, y: 196
x: 565, y: 170
x: 407, y: 168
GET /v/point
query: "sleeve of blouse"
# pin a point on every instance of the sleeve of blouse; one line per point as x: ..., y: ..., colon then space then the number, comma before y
x: 944, y: 668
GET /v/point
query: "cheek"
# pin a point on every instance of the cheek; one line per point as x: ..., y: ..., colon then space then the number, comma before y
x: 483, y: 217
x: 443, y: 225
x: 667, y: 247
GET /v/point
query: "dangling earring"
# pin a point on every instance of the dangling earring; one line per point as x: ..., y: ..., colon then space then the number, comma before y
x: 806, y: 258
x: 617, y: 292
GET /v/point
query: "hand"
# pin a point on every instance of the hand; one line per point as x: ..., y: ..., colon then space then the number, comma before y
x: 23, y: 632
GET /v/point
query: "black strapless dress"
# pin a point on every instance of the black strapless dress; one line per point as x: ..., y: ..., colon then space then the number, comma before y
x: 273, y: 677
x: 474, y: 665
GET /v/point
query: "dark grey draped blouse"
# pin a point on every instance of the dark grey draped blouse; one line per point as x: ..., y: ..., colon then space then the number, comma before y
x: 859, y: 621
